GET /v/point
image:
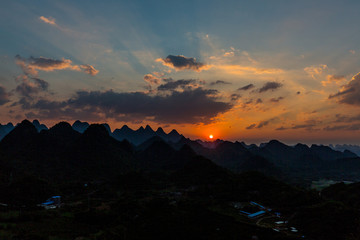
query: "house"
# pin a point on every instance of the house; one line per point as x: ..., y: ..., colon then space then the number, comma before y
x: 51, y: 203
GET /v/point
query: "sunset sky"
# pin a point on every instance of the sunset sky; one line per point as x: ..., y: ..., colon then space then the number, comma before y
x: 239, y: 70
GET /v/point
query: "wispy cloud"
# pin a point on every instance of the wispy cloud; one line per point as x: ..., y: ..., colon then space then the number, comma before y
x: 333, y: 79
x: 48, y: 20
x: 32, y: 65
x: 315, y: 70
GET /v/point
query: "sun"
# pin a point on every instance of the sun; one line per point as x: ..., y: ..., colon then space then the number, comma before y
x: 211, y: 136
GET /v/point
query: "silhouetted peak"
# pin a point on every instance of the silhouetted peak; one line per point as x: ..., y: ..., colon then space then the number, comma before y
x: 9, y: 125
x: 301, y: 146
x: 22, y: 132
x: 173, y: 133
x: 96, y: 130
x: 140, y: 129
x: 148, y: 128
x: 39, y: 126
x: 61, y: 126
x: 80, y: 126
x: 25, y: 122
x: 160, y: 131
x: 125, y: 127
x: 349, y: 154
x: 274, y: 142
x: 107, y: 127
x: 186, y: 149
x: 149, y: 142
x: 315, y: 146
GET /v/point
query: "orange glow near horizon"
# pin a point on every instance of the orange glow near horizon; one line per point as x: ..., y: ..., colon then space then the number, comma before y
x: 211, y: 136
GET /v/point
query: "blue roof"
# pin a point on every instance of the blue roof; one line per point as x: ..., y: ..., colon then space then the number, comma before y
x: 48, y: 203
x: 256, y: 214
x: 247, y: 213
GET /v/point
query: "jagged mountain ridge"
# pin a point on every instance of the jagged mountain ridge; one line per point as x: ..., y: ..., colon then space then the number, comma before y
x: 273, y: 158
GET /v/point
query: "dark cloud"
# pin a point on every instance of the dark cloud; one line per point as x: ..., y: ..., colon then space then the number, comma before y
x: 270, y: 86
x: 281, y: 128
x: 182, y: 63
x: 247, y: 87
x: 189, y: 106
x: 344, y: 118
x: 350, y: 127
x: 298, y: 92
x: 219, y: 82
x: 4, y: 96
x: 252, y: 126
x: 235, y: 97
x: 275, y: 100
x: 171, y: 85
x: 350, y: 93
x: 302, y: 126
x: 31, y: 86
x: 263, y: 124
x: 258, y: 101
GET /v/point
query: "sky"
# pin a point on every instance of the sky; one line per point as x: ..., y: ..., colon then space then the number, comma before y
x: 240, y: 70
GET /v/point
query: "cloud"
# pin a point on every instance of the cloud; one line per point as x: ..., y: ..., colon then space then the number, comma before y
x: 241, y: 70
x: 275, y: 100
x: 314, y: 71
x: 333, y: 79
x: 235, y: 97
x: 252, y: 126
x: 172, y: 85
x: 281, y: 128
x: 351, y: 127
x: 301, y: 126
x: 189, y: 106
x: 30, y: 86
x: 89, y: 69
x: 343, y: 118
x: 308, y: 125
x: 262, y: 124
x: 350, y: 92
x: 4, y: 96
x: 270, y: 86
x: 181, y: 62
x: 32, y: 65
x: 219, y: 82
x: 247, y: 87
x: 48, y: 20
x: 151, y: 79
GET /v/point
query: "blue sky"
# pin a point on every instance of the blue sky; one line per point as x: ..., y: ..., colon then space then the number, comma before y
x: 119, y: 50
